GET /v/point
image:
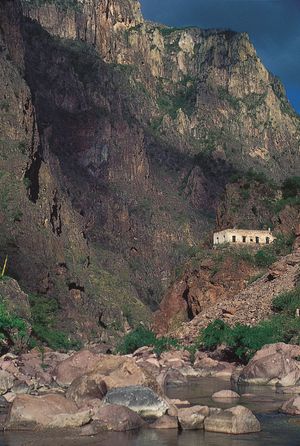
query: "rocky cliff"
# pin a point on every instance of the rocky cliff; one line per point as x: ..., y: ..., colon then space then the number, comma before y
x: 118, y: 138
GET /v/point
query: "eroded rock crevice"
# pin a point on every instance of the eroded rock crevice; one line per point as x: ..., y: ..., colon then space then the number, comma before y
x: 55, y: 217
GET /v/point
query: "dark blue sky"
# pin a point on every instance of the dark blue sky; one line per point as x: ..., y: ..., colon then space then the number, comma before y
x: 273, y: 26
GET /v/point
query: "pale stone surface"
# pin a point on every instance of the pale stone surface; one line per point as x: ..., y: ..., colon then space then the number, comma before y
x: 122, y: 371
x: 192, y: 417
x: 237, y: 420
x: 273, y: 364
x: 6, y: 381
x: 41, y: 412
x: 292, y: 406
x: 142, y: 400
x: 225, y: 394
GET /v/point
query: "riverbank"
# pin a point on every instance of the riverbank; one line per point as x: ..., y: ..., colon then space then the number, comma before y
x: 93, y: 392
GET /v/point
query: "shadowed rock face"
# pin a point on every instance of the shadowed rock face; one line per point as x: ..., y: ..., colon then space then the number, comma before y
x: 117, y: 140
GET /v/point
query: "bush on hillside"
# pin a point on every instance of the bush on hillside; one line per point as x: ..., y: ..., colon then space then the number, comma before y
x: 44, y: 317
x: 291, y: 187
x: 244, y: 341
x: 14, y: 331
x: 287, y: 302
x: 143, y: 337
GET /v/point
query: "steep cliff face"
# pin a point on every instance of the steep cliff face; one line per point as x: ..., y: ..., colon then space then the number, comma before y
x: 118, y: 139
x: 42, y: 230
x: 208, y: 91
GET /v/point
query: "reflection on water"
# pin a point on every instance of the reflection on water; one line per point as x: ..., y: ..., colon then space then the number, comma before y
x: 278, y: 430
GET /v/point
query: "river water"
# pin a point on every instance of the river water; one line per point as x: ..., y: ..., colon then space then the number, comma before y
x: 277, y: 429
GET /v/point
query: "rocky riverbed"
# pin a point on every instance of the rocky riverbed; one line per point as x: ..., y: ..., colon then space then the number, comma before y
x: 91, y: 392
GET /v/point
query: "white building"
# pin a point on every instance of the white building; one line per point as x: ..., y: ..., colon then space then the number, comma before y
x: 243, y: 237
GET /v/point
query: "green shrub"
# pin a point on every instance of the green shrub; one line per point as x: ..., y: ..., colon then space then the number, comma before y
x: 44, y: 317
x: 287, y: 302
x: 143, y: 337
x: 244, y: 341
x: 291, y: 187
x: 290, y: 201
x: 137, y: 338
x: 14, y: 331
x: 264, y: 258
x: 215, y: 334
x: 164, y: 344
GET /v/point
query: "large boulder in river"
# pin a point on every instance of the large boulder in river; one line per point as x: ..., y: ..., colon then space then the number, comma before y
x: 292, y: 406
x: 237, y: 420
x: 273, y: 364
x: 45, y: 412
x: 113, y: 418
x: 192, y: 417
x: 142, y: 400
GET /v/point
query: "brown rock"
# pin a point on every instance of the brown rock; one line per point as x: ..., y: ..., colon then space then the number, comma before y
x: 41, y: 412
x: 292, y: 406
x: 237, y: 420
x: 75, y: 366
x: 192, y: 417
x: 120, y: 371
x: 211, y: 367
x: 86, y: 387
x: 113, y: 418
x: 273, y: 364
x: 165, y: 422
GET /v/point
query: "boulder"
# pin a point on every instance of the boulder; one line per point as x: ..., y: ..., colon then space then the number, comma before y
x: 39, y: 365
x: 29, y: 412
x: 142, y: 400
x: 292, y: 406
x: 6, y: 381
x: 237, y: 420
x: 122, y: 371
x: 113, y: 418
x: 211, y: 367
x: 192, y: 417
x: 225, y: 395
x: 273, y: 364
x: 165, y: 422
x: 171, y: 377
x: 85, y: 388
x: 75, y: 366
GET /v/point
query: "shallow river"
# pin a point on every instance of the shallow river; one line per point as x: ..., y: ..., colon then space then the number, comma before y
x: 277, y: 430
